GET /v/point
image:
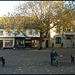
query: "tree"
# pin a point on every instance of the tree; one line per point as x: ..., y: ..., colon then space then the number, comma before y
x: 40, y: 14
x: 66, y: 15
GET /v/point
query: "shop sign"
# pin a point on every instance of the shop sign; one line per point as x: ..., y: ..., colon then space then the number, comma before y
x: 28, y: 41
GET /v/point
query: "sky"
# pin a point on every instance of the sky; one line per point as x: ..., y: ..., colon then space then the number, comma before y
x: 8, y: 6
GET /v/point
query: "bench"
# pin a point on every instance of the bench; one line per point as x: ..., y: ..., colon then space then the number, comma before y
x: 66, y: 57
x: 3, y: 61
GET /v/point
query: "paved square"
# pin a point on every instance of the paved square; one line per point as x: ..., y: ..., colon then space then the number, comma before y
x: 34, y: 61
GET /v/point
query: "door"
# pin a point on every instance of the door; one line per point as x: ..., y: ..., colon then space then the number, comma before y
x: 68, y: 42
x: 46, y: 43
x: 1, y: 44
x: 28, y: 44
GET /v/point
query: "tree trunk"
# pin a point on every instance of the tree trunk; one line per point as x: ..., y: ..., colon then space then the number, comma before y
x: 40, y: 40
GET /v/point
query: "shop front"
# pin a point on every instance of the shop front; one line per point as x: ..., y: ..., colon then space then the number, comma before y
x: 1, y: 44
x: 29, y: 42
x: 19, y: 42
x: 8, y: 42
x: 35, y: 42
x: 32, y: 42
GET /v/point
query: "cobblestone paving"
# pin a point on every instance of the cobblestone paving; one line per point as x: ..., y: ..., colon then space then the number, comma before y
x: 34, y: 61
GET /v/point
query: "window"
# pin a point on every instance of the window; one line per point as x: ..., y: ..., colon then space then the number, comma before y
x: 68, y: 29
x: 30, y: 32
x: 20, y: 43
x: 35, y: 43
x: 73, y: 29
x: 58, y: 40
x: 1, y: 32
x: 36, y: 32
x: 8, y: 43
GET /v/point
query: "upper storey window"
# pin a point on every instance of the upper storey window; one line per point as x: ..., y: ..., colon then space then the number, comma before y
x: 1, y: 33
x: 68, y: 29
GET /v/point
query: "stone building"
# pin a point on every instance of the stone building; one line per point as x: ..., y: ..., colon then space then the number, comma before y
x: 63, y: 38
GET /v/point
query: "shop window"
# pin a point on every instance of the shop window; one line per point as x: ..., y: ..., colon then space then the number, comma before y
x: 58, y: 40
x: 1, y: 32
x: 8, y: 43
x: 20, y: 43
x: 35, y: 43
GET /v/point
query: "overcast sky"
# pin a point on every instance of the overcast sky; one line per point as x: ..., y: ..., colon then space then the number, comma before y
x: 8, y: 6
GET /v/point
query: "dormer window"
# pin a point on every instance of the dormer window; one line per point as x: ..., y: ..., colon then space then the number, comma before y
x: 68, y: 29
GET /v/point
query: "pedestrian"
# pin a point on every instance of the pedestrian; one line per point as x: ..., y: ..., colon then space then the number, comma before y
x: 54, y: 56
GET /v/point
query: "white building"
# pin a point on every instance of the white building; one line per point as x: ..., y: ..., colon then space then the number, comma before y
x: 9, y: 40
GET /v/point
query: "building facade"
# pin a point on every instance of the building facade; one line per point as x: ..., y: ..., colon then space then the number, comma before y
x: 63, y: 38
x: 9, y: 40
x: 6, y: 39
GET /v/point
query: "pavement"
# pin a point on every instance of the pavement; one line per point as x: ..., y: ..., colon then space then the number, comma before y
x: 34, y: 61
